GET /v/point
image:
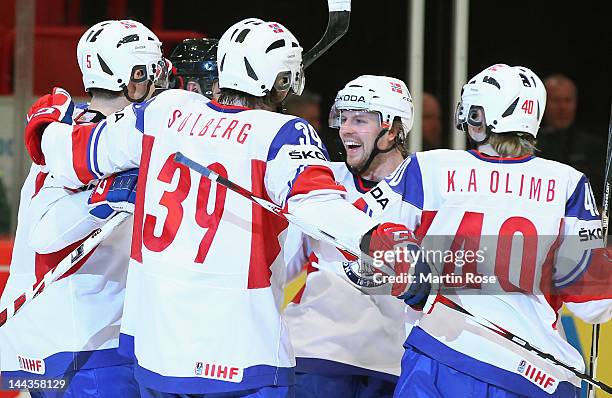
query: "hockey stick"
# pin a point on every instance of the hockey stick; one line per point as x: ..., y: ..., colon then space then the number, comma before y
x: 525, y: 344
x: 337, y: 26
x: 324, y: 236
x: 63, y: 266
x: 605, y: 218
x: 308, y: 228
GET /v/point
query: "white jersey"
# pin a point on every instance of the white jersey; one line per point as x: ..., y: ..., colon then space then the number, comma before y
x: 204, y: 315
x: 531, y: 223
x: 344, y: 334
x: 74, y: 322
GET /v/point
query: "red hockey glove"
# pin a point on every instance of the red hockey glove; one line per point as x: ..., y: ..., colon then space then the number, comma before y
x: 54, y: 107
x: 391, y: 247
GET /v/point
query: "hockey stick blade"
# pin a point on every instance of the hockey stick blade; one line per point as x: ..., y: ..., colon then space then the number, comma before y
x: 307, y: 228
x: 337, y: 25
x: 55, y: 273
x: 524, y: 344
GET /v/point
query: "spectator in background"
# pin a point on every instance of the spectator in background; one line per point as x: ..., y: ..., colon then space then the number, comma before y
x: 432, y: 123
x: 307, y: 106
x: 561, y: 139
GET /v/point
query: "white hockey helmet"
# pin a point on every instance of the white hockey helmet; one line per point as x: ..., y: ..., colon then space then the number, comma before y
x: 387, y: 96
x: 111, y: 51
x: 255, y: 56
x: 512, y: 98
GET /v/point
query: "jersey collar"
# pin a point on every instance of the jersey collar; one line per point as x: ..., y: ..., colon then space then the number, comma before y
x: 362, y: 185
x: 499, y: 159
x: 89, y: 116
x: 226, y: 108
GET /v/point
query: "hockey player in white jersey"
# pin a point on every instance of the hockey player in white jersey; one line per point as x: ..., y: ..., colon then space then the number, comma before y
x: 529, y: 222
x: 206, y: 308
x: 374, y: 115
x: 71, y: 330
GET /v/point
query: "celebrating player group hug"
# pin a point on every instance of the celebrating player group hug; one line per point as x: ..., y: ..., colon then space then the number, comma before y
x: 435, y: 274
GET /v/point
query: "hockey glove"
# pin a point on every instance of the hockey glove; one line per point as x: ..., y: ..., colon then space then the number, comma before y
x: 54, y: 107
x: 395, y: 246
x: 113, y: 194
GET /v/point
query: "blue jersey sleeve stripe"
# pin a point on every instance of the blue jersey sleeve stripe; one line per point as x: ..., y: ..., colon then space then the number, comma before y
x: 408, y: 182
x: 89, y: 152
x: 139, y: 112
x: 575, y: 206
x: 290, y: 183
x: 93, y: 154
x: 576, y: 272
x: 82, y: 106
x: 100, y: 129
x: 69, y: 114
x: 290, y: 134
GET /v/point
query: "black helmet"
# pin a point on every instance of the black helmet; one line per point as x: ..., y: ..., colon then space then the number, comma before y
x: 195, y: 62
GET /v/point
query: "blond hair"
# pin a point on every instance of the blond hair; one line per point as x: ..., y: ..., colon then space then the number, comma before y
x: 513, y: 145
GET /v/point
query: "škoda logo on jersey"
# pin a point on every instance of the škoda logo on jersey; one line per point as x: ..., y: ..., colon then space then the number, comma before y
x: 538, y: 376
x: 218, y: 371
x: 298, y: 155
x: 379, y: 196
x: 588, y: 234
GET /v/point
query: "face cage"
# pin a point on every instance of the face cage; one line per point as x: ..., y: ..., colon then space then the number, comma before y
x: 335, y: 116
x: 205, y: 84
x: 201, y: 68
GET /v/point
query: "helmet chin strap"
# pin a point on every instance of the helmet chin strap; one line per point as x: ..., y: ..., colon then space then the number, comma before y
x: 375, y: 152
x: 137, y: 100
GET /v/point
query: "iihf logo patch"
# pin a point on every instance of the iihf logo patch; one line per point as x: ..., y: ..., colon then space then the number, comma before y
x: 396, y: 87
x: 538, y: 376
x: 276, y: 28
x: 198, y: 368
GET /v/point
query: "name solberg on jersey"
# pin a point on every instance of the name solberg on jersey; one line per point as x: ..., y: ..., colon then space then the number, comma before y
x: 222, y: 127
